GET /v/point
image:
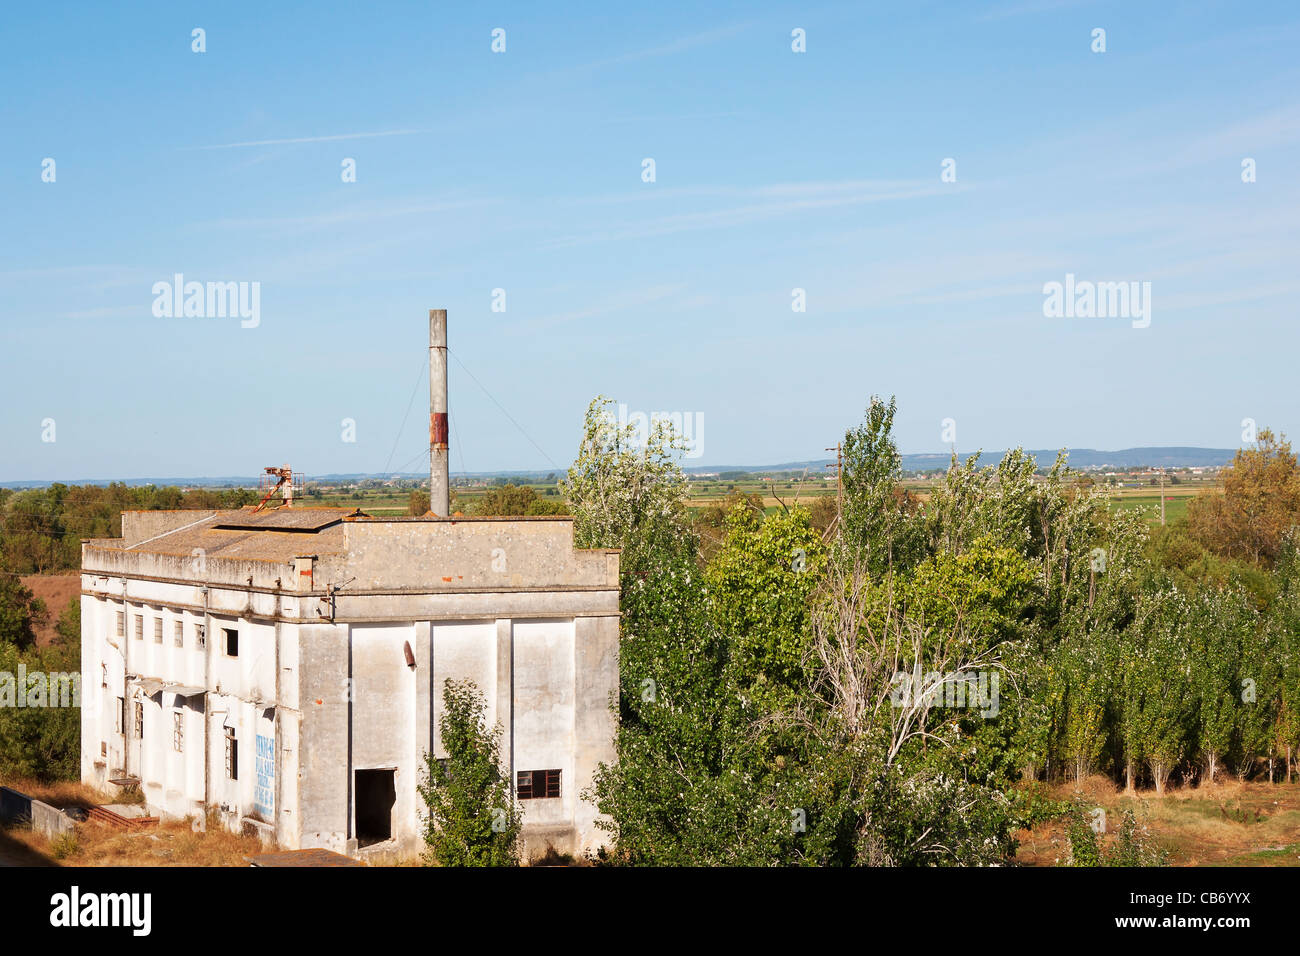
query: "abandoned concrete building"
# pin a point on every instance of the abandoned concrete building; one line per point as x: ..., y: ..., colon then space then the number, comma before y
x: 282, y: 667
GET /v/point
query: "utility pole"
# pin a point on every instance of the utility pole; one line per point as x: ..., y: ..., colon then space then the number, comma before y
x: 839, y: 476
x: 1162, y: 497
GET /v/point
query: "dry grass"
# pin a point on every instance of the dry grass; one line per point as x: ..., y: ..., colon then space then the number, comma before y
x: 172, y: 843
x: 169, y: 844
x: 1228, y: 823
x: 59, y: 793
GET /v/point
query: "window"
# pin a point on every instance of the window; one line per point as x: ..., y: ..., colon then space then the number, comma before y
x: 178, y: 731
x: 232, y: 641
x: 200, y: 636
x: 103, y: 748
x: 157, y: 630
x: 536, y: 784
x: 103, y: 675
x: 139, y: 720
x: 139, y: 627
x: 178, y: 633
x: 232, y: 755
x: 121, y: 715
x: 121, y: 623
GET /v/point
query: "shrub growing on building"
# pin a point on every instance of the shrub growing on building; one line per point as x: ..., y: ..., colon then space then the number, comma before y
x: 473, y: 818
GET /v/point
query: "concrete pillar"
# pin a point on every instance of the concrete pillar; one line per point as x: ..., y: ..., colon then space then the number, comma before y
x: 505, y: 655
x: 424, y: 730
x: 324, y: 751
x: 595, y: 676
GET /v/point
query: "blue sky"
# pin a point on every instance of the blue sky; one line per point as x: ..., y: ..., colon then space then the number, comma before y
x: 522, y: 170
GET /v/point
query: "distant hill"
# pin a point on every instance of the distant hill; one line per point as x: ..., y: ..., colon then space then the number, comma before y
x: 1158, y: 457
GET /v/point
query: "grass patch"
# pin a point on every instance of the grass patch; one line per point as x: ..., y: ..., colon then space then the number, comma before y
x: 1231, y: 823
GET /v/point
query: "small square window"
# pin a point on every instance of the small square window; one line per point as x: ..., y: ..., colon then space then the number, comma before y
x: 232, y: 641
x: 537, y: 784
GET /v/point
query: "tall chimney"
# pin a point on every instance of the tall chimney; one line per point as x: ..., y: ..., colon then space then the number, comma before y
x: 439, y: 479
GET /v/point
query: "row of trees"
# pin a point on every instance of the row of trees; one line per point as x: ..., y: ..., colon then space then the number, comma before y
x: 41, y: 530
x: 878, y: 691
x: 498, y: 501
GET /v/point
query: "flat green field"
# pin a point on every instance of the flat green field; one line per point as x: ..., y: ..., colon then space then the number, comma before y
x: 385, y: 502
x: 1149, y: 505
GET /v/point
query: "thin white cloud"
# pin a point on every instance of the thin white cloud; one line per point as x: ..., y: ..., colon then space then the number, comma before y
x: 664, y: 49
x: 309, y: 139
x: 1028, y: 8
x: 770, y: 202
x: 352, y: 214
x: 610, y: 306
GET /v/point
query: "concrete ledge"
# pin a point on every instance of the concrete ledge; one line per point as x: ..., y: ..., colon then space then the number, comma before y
x: 17, y: 807
x: 265, y: 832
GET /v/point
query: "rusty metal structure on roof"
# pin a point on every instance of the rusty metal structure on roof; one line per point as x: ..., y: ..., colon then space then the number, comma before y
x: 283, y: 485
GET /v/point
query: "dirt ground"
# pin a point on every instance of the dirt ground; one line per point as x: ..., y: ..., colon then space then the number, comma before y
x: 1224, y: 824
x: 1227, y: 823
x: 56, y: 590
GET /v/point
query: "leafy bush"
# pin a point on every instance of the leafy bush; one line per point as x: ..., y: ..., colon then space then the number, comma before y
x: 473, y: 817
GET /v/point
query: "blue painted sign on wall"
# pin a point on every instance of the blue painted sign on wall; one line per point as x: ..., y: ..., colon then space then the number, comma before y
x: 264, y: 795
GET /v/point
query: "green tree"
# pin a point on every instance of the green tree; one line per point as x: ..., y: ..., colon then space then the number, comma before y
x: 760, y: 582
x: 1165, y: 720
x: 876, y: 513
x: 629, y: 494
x: 510, y: 499
x: 417, y: 503
x: 473, y: 819
x: 21, y: 612
x: 1218, y: 625
x: 1258, y: 506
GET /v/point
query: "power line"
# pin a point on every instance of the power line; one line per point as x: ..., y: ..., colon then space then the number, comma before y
x: 503, y: 410
x: 460, y: 449
x: 409, y: 402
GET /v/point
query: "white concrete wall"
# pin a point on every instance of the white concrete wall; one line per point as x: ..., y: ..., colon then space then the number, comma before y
x: 543, y: 724
x: 383, y: 719
x: 463, y: 651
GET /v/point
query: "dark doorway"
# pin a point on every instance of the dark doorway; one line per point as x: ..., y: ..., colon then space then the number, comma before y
x: 376, y: 794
